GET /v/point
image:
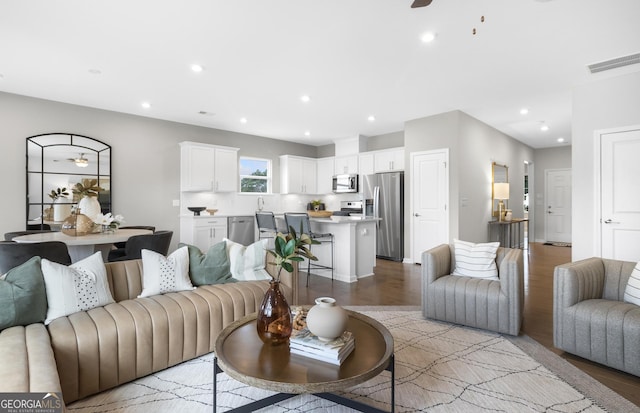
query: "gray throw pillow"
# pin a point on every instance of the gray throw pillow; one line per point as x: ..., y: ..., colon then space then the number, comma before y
x: 210, y: 268
x: 23, y: 298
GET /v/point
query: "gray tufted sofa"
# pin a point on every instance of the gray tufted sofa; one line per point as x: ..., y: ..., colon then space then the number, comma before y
x: 590, y: 318
x: 487, y: 304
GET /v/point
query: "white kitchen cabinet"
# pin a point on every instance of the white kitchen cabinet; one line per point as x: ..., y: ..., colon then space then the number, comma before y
x: 208, y: 168
x: 203, y: 232
x: 298, y: 175
x: 388, y: 160
x: 365, y: 164
x: 325, y: 170
x: 346, y: 164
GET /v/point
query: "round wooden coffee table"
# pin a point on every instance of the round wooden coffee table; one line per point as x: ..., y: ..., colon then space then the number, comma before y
x: 241, y: 354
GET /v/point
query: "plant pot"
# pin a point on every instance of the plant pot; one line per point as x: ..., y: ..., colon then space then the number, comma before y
x: 90, y: 207
x: 274, y: 322
x: 326, y: 320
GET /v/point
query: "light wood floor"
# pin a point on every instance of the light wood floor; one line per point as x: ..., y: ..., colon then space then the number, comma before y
x: 399, y: 284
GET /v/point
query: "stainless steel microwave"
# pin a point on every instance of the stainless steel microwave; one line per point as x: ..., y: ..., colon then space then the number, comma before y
x: 345, y: 183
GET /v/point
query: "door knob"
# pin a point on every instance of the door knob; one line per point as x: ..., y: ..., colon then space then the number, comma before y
x: 416, y: 214
x: 609, y: 221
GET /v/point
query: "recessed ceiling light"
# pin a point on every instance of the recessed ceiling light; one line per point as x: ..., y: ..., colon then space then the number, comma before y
x: 524, y: 111
x: 145, y: 105
x: 243, y: 120
x: 197, y: 68
x: 305, y: 98
x: 544, y: 127
x: 560, y: 140
x: 307, y: 133
x: 371, y: 118
x: 428, y: 37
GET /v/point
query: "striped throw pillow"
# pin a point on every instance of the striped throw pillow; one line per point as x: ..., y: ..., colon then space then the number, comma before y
x: 248, y: 263
x: 632, y: 292
x: 476, y: 260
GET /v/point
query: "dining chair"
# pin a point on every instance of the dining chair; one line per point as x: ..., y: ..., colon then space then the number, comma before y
x: 123, y: 243
x: 158, y: 242
x: 13, y: 254
x: 295, y: 220
x: 9, y: 236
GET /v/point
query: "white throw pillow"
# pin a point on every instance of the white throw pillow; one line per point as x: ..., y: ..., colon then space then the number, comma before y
x: 248, y: 263
x: 476, y: 260
x: 632, y: 292
x: 162, y: 274
x: 78, y: 287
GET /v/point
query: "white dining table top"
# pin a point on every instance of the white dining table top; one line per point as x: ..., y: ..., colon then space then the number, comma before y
x: 120, y: 235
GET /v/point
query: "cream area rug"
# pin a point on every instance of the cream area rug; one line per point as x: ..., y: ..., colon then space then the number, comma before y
x: 439, y: 367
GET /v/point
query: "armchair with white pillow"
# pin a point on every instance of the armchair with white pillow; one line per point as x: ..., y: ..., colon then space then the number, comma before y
x: 477, y: 285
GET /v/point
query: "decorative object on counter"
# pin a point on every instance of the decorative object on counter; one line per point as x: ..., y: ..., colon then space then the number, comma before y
x: 77, y: 224
x: 315, y: 204
x: 87, y: 194
x: 508, y: 215
x: 61, y: 207
x: 109, y: 222
x: 326, y: 320
x: 212, y: 211
x: 274, y: 321
x: 196, y: 210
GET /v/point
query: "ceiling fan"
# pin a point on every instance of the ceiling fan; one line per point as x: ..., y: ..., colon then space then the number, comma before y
x: 420, y: 3
x: 81, y: 162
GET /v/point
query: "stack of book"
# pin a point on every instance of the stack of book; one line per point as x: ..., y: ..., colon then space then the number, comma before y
x: 303, y: 343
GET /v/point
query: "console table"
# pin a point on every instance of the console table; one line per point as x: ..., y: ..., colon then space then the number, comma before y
x: 510, y: 234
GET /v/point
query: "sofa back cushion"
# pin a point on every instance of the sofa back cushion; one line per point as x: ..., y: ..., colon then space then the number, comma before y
x: 616, y: 278
x: 125, y: 279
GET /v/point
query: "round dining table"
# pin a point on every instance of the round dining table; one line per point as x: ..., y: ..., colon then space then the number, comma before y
x: 81, y: 247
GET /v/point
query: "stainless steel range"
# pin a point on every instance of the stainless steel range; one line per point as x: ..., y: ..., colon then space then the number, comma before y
x: 348, y: 208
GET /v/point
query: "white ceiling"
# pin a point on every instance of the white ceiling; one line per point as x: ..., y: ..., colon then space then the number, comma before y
x: 354, y: 58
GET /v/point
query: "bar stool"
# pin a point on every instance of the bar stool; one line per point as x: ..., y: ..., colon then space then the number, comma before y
x: 294, y: 220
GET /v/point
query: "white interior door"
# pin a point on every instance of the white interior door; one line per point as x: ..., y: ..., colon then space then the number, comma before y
x: 620, y: 195
x: 558, y: 205
x: 430, y: 197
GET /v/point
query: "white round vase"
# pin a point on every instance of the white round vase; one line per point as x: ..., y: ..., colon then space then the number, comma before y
x: 90, y: 207
x: 326, y: 320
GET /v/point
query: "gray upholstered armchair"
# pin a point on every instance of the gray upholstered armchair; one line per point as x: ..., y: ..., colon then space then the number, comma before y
x: 590, y: 318
x: 487, y: 304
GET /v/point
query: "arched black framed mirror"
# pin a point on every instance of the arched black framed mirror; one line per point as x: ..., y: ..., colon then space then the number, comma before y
x: 60, y: 160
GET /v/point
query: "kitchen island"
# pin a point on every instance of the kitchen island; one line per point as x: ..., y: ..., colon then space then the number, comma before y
x: 354, y: 247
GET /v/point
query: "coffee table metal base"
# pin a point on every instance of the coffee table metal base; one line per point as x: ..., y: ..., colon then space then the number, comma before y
x: 278, y: 397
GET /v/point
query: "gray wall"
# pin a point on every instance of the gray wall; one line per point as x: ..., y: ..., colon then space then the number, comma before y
x: 604, y: 104
x: 146, y: 157
x: 386, y: 141
x: 547, y: 158
x: 473, y: 146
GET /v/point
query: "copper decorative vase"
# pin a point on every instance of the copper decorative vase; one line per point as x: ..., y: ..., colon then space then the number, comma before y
x: 77, y: 224
x: 274, y: 321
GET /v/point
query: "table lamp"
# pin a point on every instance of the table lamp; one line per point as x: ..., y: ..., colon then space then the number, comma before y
x: 501, y: 192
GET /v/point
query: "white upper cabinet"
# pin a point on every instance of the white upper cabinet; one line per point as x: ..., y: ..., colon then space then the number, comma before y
x: 298, y: 175
x: 208, y: 168
x: 389, y: 160
x: 325, y: 175
x: 365, y: 164
x: 346, y: 165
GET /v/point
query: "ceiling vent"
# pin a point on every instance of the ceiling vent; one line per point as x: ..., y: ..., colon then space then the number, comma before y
x: 614, y: 63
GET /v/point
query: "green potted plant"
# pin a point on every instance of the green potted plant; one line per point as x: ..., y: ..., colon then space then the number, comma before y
x: 274, y: 321
x: 61, y: 210
x: 86, y: 193
x: 316, y: 204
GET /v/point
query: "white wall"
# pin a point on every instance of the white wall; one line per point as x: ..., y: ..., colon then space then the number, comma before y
x: 603, y: 104
x: 146, y: 157
x: 547, y: 158
x: 473, y: 147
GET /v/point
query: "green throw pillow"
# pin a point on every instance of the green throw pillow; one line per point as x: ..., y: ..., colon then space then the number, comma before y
x: 210, y: 268
x: 23, y: 298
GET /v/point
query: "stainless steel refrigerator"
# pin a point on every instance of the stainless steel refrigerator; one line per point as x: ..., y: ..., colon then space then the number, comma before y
x: 383, y: 195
